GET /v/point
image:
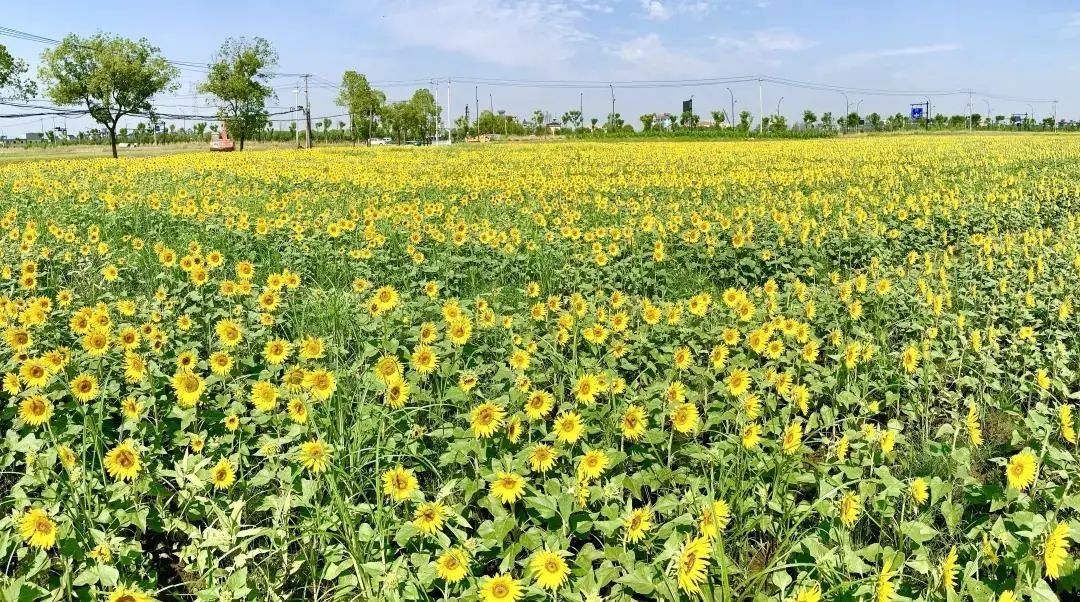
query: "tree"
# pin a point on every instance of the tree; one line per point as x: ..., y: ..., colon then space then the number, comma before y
x: 718, y: 118
x: 827, y: 120
x: 809, y: 118
x: 361, y: 101
x: 852, y: 120
x: 200, y: 129
x: 572, y: 118
x: 539, y: 117
x: 240, y: 79
x: 647, y: 121
x: 874, y: 120
x: 13, y: 81
x: 746, y: 119
x: 594, y: 121
x: 112, y: 76
x: 424, y: 111
x: 326, y: 123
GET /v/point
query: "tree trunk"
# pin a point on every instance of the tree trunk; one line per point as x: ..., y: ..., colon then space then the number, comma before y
x: 112, y: 140
x: 241, y: 142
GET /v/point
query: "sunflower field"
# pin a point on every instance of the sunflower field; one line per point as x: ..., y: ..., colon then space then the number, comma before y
x: 775, y: 370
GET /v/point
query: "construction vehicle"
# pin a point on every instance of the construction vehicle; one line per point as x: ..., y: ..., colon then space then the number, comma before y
x: 220, y: 141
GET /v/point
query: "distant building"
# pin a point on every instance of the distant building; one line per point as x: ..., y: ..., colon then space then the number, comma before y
x: 34, y: 136
x: 553, y: 127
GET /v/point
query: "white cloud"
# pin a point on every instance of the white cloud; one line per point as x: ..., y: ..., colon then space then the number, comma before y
x: 864, y: 57
x: 655, y: 9
x: 662, y: 10
x: 515, y: 33
x: 764, y: 41
x: 648, y: 57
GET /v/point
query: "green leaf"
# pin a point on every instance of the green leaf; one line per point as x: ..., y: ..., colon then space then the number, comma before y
x: 637, y: 582
x: 918, y: 532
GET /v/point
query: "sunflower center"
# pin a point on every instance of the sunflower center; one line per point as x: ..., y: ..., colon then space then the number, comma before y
x: 125, y: 459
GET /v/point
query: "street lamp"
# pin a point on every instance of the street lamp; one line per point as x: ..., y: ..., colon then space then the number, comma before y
x: 857, y: 113
x: 732, y: 116
x: 847, y: 109
x: 988, y: 112
x: 778, y: 106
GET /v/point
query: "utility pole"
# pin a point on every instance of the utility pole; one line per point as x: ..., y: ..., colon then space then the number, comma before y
x: 969, y: 109
x: 760, y: 108
x: 438, y: 113
x: 449, y: 116
x: 989, y: 118
x: 731, y: 116
x: 612, y: 120
x: 295, y: 108
x: 927, y: 112
x: 580, y: 110
x: 1055, y: 113
x: 491, y: 104
x: 778, y: 106
x: 476, y: 99
x: 307, y: 110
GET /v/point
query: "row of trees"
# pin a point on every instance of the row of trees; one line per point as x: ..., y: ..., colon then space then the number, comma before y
x: 115, y: 77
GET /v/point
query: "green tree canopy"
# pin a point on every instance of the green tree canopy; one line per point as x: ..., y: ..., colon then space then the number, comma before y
x: 112, y: 76
x: 240, y: 79
x: 13, y: 80
x: 361, y: 101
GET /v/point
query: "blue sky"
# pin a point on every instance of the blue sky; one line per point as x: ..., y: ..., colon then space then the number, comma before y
x: 1021, y: 49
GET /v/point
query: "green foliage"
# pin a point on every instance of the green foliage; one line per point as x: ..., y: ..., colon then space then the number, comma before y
x: 110, y: 75
x: 240, y: 80
x: 361, y: 101
x: 13, y: 81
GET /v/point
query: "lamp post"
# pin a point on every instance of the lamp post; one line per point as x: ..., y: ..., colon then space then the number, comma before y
x: 778, y: 106
x: 731, y: 117
x: 847, y: 109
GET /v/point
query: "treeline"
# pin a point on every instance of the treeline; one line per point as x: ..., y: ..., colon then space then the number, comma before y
x: 111, y: 78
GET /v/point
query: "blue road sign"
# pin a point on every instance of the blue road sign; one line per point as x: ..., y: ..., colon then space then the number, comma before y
x: 916, y: 113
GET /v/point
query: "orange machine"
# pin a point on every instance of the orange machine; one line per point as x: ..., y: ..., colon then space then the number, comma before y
x: 220, y: 141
